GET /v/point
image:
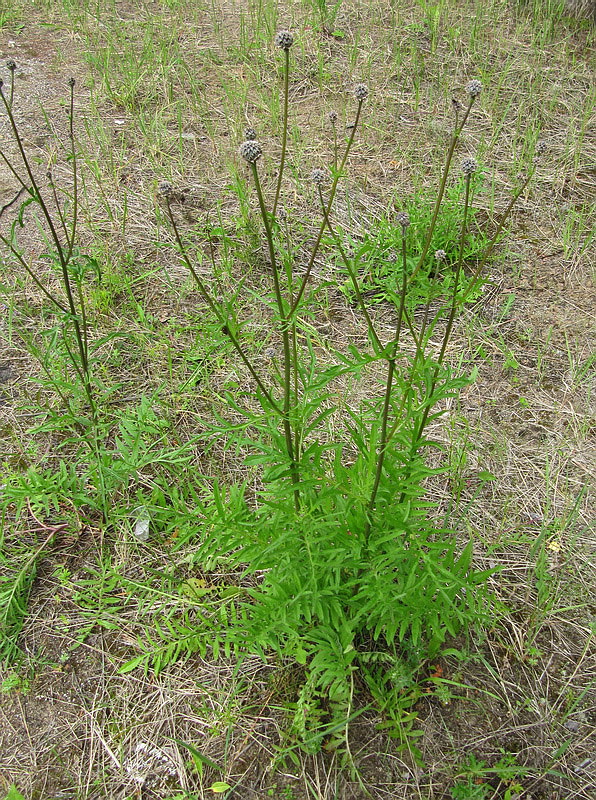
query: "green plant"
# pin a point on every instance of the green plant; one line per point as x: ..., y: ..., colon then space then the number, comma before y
x: 342, y: 563
x: 476, y: 779
x: 13, y: 794
x: 29, y: 496
x: 15, y: 683
x: 58, y: 217
x: 374, y: 255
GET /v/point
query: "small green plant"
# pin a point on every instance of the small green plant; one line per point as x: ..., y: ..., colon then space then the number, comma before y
x: 15, y: 683
x: 58, y: 218
x: 375, y: 254
x: 13, y: 794
x: 30, y: 496
x: 478, y: 780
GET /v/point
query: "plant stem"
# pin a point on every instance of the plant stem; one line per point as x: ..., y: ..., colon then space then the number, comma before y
x: 31, y: 274
x: 388, y: 390
x: 420, y: 428
x: 75, y: 176
x: 353, y: 277
x: 64, y: 259
x: 284, y: 139
x: 284, y: 331
x: 490, y: 247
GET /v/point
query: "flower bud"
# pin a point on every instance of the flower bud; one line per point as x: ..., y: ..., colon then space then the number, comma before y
x: 250, y: 150
x: 284, y: 40
x: 360, y: 92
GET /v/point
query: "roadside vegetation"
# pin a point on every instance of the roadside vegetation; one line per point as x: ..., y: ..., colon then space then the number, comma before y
x: 297, y: 400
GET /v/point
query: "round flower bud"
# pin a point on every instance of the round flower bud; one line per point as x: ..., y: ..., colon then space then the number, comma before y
x: 250, y: 150
x: 250, y: 134
x: 360, y: 92
x: 318, y: 176
x: 71, y: 82
x: 333, y: 117
x: 284, y: 40
x: 474, y: 88
x: 540, y: 149
x: 440, y: 255
x: 469, y: 166
x: 165, y: 189
x: 403, y: 219
x: 10, y: 64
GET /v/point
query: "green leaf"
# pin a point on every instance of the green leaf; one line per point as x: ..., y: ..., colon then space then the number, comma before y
x: 14, y: 794
x: 201, y: 759
x: 132, y: 664
x: 219, y: 787
x: 485, y: 475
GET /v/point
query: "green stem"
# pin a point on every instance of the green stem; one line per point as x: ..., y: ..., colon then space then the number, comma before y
x: 496, y: 234
x: 36, y: 193
x: 16, y: 175
x: 388, y: 390
x: 420, y: 429
x: 31, y: 274
x: 284, y: 331
x: 75, y: 175
x: 353, y: 277
x: 284, y: 139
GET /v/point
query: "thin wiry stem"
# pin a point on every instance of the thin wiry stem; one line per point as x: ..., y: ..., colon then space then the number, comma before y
x: 353, y: 277
x: 388, y: 389
x: 10, y: 203
x: 58, y: 206
x: 284, y: 140
x: 31, y: 274
x: 75, y: 174
x: 335, y: 147
x: 16, y: 175
x: 36, y: 194
x: 285, y: 336
x: 446, y: 336
x: 490, y: 247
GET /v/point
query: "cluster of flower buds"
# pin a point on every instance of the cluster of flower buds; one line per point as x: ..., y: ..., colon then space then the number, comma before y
x: 318, y: 176
x: 250, y: 150
x: 469, y: 166
x: 360, y: 92
x: 284, y: 40
x: 474, y: 88
x: 403, y: 219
